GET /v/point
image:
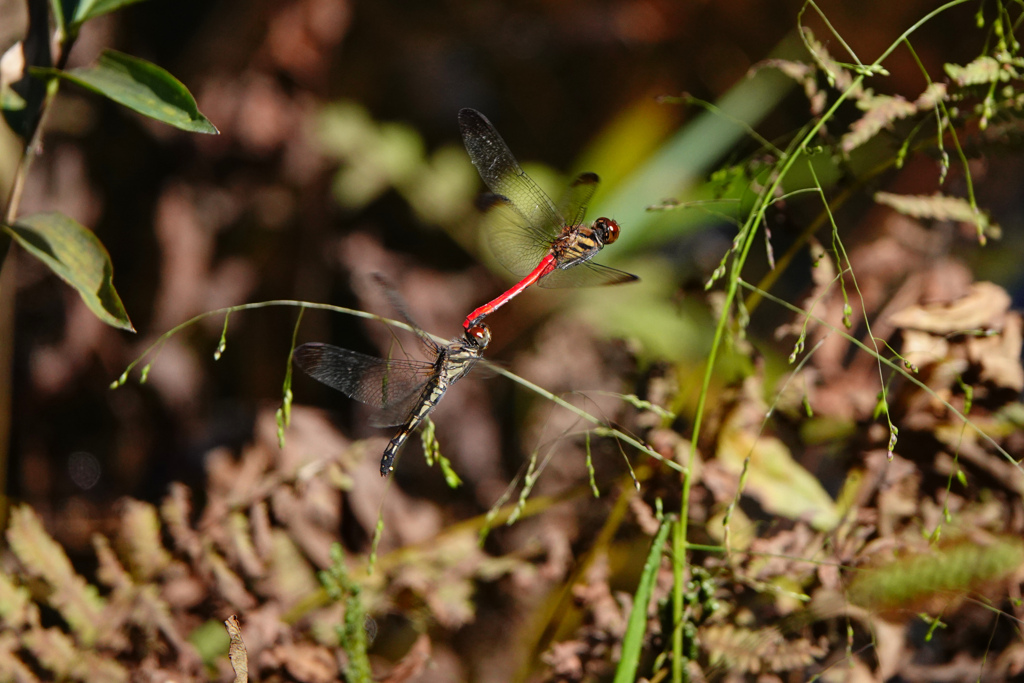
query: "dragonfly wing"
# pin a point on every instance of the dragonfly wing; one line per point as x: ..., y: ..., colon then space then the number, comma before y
x: 574, y: 202
x: 515, y: 243
x: 503, y: 174
x: 586, y: 274
x: 399, y: 412
x: 396, y: 302
x: 391, y: 385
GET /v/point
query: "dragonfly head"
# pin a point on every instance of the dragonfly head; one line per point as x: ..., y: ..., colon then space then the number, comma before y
x: 479, y: 335
x: 606, y: 230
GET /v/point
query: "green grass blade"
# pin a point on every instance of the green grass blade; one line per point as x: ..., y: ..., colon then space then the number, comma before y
x: 636, y: 629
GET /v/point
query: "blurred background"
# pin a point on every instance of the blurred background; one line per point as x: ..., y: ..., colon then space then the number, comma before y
x: 339, y: 156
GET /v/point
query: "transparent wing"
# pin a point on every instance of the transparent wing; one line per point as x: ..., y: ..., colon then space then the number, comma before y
x: 399, y: 412
x: 573, y: 205
x: 396, y: 302
x: 515, y: 243
x: 586, y: 274
x: 503, y: 175
x: 393, y: 386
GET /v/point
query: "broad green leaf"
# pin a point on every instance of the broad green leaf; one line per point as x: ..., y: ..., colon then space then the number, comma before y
x: 74, y: 253
x: 141, y: 86
x: 90, y: 9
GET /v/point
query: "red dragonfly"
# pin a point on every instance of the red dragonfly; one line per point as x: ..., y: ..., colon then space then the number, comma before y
x: 529, y: 235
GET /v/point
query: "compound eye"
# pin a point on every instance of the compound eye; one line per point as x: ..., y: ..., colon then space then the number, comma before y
x: 480, y: 333
x: 607, y: 229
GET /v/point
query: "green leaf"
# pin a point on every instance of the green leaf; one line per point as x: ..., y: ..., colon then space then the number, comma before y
x: 141, y: 86
x: 10, y: 100
x: 57, y: 12
x: 636, y: 628
x: 74, y: 253
x: 90, y: 9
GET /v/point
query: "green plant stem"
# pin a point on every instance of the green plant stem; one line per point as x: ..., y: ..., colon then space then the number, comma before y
x: 7, y: 281
x: 153, y: 349
x: 896, y: 367
x: 748, y: 233
x: 37, y: 50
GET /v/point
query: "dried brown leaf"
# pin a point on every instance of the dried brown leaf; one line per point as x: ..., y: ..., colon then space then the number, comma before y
x: 11, y: 667
x: 140, y: 540
x: 644, y: 515
x: 228, y: 584
x: 236, y: 651
x: 565, y: 659
x: 413, y: 663
x: 802, y: 73
x: 289, y: 577
x: 983, y: 308
x: 56, y: 653
x: 141, y: 605
x: 999, y: 355
x: 110, y: 571
x: 932, y: 95
x: 984, y: 69
x: 16, y: 607
x: 78, y: 602
x: 939, y: 207
x: 304, y: 662
x: 880, y: 111
x: 241, y: 550
x: 311, y: 518
x: 756, y: 651
x: 176, y: 510
x: 836, y: 74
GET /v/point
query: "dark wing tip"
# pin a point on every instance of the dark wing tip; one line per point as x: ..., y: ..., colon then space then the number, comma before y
x: 586, y: 179
x: 488, y: 201
x: 471, y: 118
x: 308, y: 355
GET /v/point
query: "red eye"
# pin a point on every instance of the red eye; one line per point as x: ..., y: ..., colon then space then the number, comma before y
x: 607, y: 229
x: 480, y: 333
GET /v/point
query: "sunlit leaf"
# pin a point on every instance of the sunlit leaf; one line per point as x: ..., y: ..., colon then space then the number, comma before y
x: 74, y: 253
x: 141, y: 86
x: 90, y: 9
x: 774, y: 478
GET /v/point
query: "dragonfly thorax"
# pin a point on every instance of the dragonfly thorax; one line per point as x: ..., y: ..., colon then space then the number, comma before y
x: 583, y: 242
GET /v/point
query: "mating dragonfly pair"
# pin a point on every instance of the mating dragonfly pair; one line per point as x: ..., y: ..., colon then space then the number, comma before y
x: 538, y: 241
